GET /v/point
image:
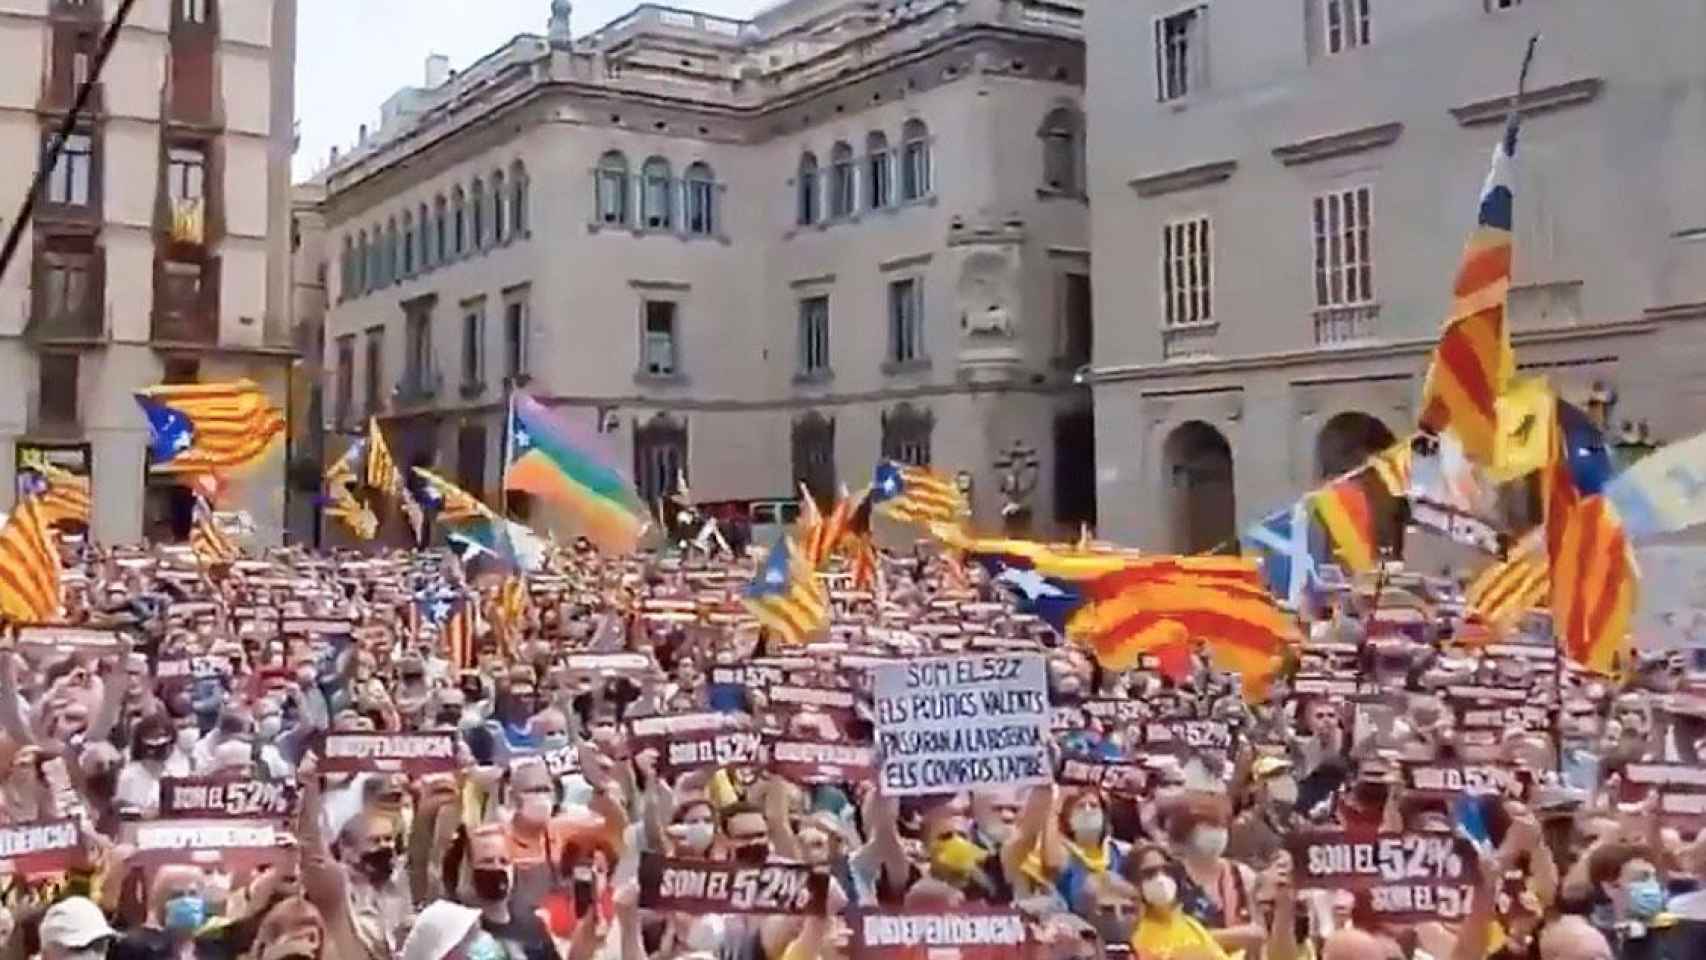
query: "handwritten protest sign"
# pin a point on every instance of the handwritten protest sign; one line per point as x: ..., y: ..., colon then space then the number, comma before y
x: 954, y: 723
x: 220, y: 798
x: 411, y: 753
x: 1404, y: 877
x: 231, y: 844
x: 817, y: 761
x: 706, y: 887
x: 35, y: 848
x: 997, y: 935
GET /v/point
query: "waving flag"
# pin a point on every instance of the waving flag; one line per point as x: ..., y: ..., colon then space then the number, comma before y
x: 786, y: 595
x: 455, y: 505
x: 29, y: 565
x: 1282, y: 542
x: 64, y: 495
x: 918, y: 495
x: 357, y: 517
x: 1472, y: 365
x: 198, y: 428
x: 449, y: 613
x: 342, y: 471
x: 1664, y: 492
x: 831, y: 531
x: 210, y: 544
x: 1346, y: 509
x: 1592, y: 567
x: 1505, y: 591
x: 565, y: 463
x: 866, y: 566
x: 381, y: 473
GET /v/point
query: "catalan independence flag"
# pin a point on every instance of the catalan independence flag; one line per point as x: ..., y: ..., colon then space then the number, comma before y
x: 917, y: 494
x: 822, y: 542
x: 786, y: 595
x: 1592, y: 566
x: 1472, y: 365
x: 64, y: 495
x: 342, y: 472
x: 357, y: 517
x: 455, y: 505
x: 1503, y: 592
x: 201, y: 428
x: 565, y: 464
x: 381, y: 473
x: 210, y: 544
x: 29, y: 565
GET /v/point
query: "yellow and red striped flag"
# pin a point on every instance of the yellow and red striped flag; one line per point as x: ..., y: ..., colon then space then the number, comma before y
x: 456, y: 505
x: 29, y: 565
x: 918, y: 495
x: 64, y: 495
x: 197, y: 428
x: 1346, y: 511
x: 1592, y: 566
x: 1503, y: 592
x: 1472, y: 364
x: 382, y: 473
x: 210, y: 544
x: 787, y: 596
x: 356, y: 516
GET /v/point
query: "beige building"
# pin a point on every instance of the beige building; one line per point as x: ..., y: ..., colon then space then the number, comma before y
x: 1281, y: 192
x: 760, y: 252
x: 158, y: 251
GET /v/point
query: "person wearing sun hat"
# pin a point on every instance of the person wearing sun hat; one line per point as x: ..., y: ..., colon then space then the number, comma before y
x: 443, y: 931
x: 75, y: 927
x: 1259, y: 832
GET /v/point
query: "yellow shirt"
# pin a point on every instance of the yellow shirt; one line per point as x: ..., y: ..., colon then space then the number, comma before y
x: 1173, y: 935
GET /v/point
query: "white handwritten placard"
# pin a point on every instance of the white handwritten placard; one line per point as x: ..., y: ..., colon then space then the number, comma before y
x: 947, y: 724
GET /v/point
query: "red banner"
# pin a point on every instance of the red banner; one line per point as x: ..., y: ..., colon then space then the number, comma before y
x: 940, y: 936
x: 411, y: 753
x: 231, y: 845
x: 706, y: 887
x: 50, y: 846
x: 1402, y: 877
x: 224, y: 798
x: 817, y: 761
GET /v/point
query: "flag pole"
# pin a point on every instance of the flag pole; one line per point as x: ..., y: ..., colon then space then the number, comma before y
x: 509, y: 443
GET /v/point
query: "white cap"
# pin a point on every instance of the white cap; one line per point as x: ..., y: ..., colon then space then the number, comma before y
x: 439, y: 929
x: 74, y: 922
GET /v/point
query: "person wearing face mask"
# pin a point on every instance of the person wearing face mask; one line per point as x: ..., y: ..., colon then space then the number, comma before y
x: 361, y: 892
x: 152, y: 757
x: 1214, y: 890
x: 1633, y: 915
x: 693, y: 831
x: 538, y: 833
x: 1081, y: 851
x: 177, y: 910
x: 1165, y: 930
x: 1260, y: 831
x: 488, y: 883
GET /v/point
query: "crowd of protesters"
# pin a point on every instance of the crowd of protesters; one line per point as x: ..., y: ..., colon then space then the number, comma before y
x: 533, y: 842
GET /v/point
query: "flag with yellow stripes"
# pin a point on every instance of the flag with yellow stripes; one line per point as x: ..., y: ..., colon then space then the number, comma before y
x: 29, y: 565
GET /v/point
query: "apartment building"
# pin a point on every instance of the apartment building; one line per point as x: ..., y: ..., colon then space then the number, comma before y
x: 760, y: 253
x: 1280, y: 194
x: 158, y: 251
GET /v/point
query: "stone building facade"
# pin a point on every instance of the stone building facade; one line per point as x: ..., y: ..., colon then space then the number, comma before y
x: 758, y: 252
x: 1280, y: 195
x: 159, y: 250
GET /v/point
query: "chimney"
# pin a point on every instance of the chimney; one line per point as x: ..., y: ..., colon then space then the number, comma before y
x: 334, y: 154
x: 437, y: 70
x: 361, y: 136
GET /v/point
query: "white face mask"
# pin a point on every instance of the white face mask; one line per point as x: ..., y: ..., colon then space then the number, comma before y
x: 695, y: 837
x: 1209, y: 841
x: 996, y: 831
x: 535, y: 808
x: 1159, y: 891
x: 1087, y: 824
x: 187, y: 738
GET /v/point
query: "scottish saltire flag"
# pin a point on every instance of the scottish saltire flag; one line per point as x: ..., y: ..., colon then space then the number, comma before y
x: 1663, y: 493
x: 567, y: 464
x: 1472, y: 364
x: 201, y: 428
x: 1281, y: 540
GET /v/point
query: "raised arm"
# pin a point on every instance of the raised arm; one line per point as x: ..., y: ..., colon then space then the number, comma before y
x: 11, y: 712
x: 113, y: 691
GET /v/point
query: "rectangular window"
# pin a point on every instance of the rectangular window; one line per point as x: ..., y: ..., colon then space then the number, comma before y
x: 1344, y: 264
x: 375, y: 394
x: 515, y: 338
x: 841, y: 187
x: 613, y: 196
x: 57, y: 388
x: 1075, y: 326
x: 193, y: 11
x: 417, y: 363
x: 82, y: 59
x: 180, y: 292
x: 346, y: 380
x: 906, y: 320
x: 1187, y: 272
x: 473, y: 340
x: 658, y: 357
x: 65, y: 286
x: 1179, y: 54
x: 701, y: 206
x: 878, y: 187
x: 814, y: 335
x: 1347, y: 24
x: 915, y: 169
x: 69, y: 183
x: 186, y: 169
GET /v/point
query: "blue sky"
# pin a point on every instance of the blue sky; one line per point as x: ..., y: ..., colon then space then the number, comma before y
x: 352, y: 54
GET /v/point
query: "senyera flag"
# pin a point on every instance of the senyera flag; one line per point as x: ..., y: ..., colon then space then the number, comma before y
x: 198, y: 428
x: 552, y: 458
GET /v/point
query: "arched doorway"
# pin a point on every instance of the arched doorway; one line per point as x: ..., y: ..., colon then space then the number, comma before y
x: 1346, y: 441
x: 814, y: 456
x: 1196, y: 465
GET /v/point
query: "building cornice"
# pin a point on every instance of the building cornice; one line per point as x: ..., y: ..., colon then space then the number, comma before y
x: 1392, y: 350
x: 1338, y: 144
x: 1544, y: 100
x: 1184, y: 178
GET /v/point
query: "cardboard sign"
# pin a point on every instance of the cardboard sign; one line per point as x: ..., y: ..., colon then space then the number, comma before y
x: 704, y: 887
x: 603, y: 663
x: 1117, y: 711
x: 684, y: 723
x: 411, y: 753
x: 1404, y: 877
x: 181, y: 670
x: 303, y: 627
x: 815, y: 697
x: 817, y: 761
x: 50, y: 846
x: 947, y: 724
x: 562, y: 762
x: 1120, y: 778
x: 1187, y: 735
x: 49, y: 638
x: 231, y: 845
x: 224, y: 798
x: 959, y: 935
x: 726, y: 748
x: 1439, y: 781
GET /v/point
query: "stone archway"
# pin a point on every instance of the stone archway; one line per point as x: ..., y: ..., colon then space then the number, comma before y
x: 1196, y: 472
x: 1346, y: 441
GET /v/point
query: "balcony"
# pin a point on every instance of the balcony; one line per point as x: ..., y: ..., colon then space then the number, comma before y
x: 418, y: 387
x: 1347, y: 325
x: 1185, y: 341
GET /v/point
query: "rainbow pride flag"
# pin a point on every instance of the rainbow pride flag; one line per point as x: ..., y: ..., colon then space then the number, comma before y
x: 566, y: 464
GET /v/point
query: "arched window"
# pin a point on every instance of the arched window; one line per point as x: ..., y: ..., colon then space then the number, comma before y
x: 518, y: 199
x: 814, y: 456
x: 500, y: 209
x: 346, y: 269
x: 440, y: 227
x: 914, y: 160
x: 701, y: 200
x: 408, y: 265
x: 358, y: 279
x: 654, y: 200
x: 841, y: 181
x: 1062, y: 134
x: 879, y: 171
x: 393, y: 253
x: 459, y: 229
x: 425, y: 251
x: 376, y: 270
x: 612, y: 180
x: 477, y: 214
x: 660, y: 456
x: 806, y: 185
x: 906, y: 435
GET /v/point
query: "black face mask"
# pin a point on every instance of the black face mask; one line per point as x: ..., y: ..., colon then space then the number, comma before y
x: 752, y: 853
x: 449, y: 717
x: 491, y: 886
x: 472, y: 692
x: 378, y: 864
x: 155, y: 753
